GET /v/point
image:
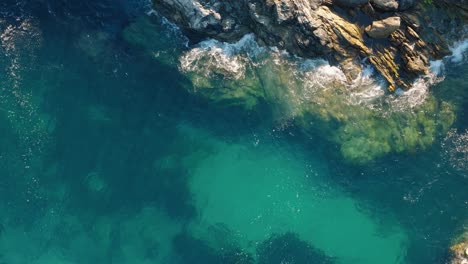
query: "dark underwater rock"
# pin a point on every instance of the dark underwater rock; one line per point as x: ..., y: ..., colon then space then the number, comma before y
x: 193, y: 250
x: 289, y: 248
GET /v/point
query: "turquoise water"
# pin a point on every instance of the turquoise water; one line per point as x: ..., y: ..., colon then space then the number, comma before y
x: 106, y: 158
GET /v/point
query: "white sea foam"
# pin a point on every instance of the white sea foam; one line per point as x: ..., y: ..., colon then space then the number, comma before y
x: 459, y: 50
x: 212, y: 56
x: 420, y: 88
x: 232, y: 60
x: 437, y: 67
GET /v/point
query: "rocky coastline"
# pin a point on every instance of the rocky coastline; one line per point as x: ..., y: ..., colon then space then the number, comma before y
x: 399, y: 38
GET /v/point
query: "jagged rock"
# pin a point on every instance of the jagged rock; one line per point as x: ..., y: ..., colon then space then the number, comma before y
x: 210, y: 17
x: 386, y: 5
x: 383, y: 28
x: 412, y: 52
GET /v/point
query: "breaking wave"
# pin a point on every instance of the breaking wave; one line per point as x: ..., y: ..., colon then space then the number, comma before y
x: 213, y: 58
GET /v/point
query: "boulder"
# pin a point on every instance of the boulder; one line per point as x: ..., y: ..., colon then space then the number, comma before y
x: 383, y: 28
x: 385, y: 5
x: 351, y: 3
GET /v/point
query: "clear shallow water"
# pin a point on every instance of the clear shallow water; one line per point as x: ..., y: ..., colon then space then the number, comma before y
x: 104, y: 158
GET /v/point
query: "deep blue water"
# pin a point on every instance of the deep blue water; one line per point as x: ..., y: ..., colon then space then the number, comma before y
x: 106, y: 158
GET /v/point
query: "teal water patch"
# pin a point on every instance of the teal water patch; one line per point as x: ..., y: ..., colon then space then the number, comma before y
x: 105, y: 159
x: 258, y: 190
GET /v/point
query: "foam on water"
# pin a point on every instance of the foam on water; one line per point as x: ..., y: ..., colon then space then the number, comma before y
x: 459, y: 50
x: 418, y: 92
x: 224, y: 57
x: 233, y: 59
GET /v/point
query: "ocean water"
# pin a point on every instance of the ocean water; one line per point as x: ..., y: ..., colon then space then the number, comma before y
x: 108, y: 155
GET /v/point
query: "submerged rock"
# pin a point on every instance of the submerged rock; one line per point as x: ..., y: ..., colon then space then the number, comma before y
x: 289, y: 248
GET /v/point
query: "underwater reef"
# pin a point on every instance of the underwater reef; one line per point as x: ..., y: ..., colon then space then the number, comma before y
x: 363, y: 121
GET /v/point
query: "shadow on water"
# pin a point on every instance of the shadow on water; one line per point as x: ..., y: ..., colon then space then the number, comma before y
x: 288, y: 248
x: 117, y: 114
x: 193, y: 250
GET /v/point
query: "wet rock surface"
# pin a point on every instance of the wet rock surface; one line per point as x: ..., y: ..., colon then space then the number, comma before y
x: 385, y: 5
x: 459, y: 250
x: 399, y: 44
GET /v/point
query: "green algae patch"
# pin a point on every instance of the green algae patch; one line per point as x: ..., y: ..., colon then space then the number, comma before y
x: 235, y: 92
x: 364, y: 121
x: 364, y: 138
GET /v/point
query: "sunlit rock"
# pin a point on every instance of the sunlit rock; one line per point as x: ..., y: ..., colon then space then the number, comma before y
x: 95, y: 183
x: 383, y: 28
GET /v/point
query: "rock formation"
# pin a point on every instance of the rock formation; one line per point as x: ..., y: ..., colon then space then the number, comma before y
x: 459, y: 250
x: 383, y: 28
x: 397, y: 43
x: 385, y: 5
